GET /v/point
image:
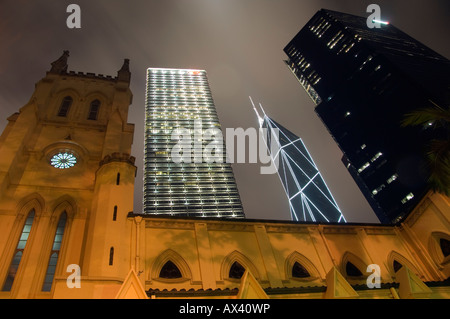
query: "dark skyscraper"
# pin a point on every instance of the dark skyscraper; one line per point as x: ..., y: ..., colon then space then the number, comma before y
x: 363, y: 82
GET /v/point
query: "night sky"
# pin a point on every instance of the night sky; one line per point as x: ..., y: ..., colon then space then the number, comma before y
x: 240, y: 45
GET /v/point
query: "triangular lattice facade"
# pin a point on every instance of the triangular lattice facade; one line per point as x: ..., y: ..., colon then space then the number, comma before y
x: 309, y: 197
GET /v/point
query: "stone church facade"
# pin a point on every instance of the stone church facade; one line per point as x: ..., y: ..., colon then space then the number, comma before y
x: 68, y: 230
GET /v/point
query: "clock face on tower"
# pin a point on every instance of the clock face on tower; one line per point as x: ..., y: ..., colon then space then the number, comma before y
x: 63, y: 160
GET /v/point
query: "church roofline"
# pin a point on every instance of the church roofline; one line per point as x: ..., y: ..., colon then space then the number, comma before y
x: 252, y: 221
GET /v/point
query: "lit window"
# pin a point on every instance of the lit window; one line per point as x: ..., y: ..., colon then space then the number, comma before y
x: 392, y: 178
x: 63, y: 160
x: 363, y: 146
x: 379, y: 189
x: 363, y: 167
x: 376, y: 157
x: 407, y: 198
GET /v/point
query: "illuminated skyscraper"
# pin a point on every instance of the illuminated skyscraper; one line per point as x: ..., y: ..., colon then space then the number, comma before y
x: 180, y: 178
x: 309, y: 197
x: 363, y: 82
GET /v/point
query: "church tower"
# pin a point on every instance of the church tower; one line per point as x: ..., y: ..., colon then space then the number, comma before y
x: 66, y: 176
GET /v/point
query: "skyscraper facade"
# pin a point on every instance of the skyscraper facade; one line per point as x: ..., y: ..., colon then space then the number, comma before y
x: 181, y: 176
x: 363, y: 82
x: 310, y: 199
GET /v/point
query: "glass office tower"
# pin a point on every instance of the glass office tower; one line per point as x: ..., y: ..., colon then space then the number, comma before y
x: 363, y: 82
x: 310, y: 199
x: 181, y: 178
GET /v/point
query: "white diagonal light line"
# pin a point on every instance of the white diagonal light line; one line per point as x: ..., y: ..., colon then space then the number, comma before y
x: 292, y: 172
x: 308, y: 208
x: 308, y: 158
x: 320, y: 212
x: 332, y: 202
x: 293, y: 212
x: 303, y: 207
x: 282, y: 147
x: 286, y: 187
x: 301, y: 190
x: 286, y: 154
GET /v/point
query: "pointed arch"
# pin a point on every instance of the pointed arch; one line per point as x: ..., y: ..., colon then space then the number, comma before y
x: 437, y: 248
x: 305, y: 263
x: 353, y: 267
x: 64, y: 101
x: 65, y: 203
x: 242, y: 260
x: 74, y: 93
x: 400, y: 259
x: 32, y: 201
x: 177, y: 260
x: 98, y: 95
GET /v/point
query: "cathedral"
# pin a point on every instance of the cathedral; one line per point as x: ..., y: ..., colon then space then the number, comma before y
x: 68, y: 229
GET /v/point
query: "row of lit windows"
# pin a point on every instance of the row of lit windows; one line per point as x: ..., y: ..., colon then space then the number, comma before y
x: 160, y: 182
x: 189, y: 173
x: 175, y: 106
x: 203, y: 112
x: 204, y: 185
x: 169, y: 84
x: 320, y: 28
x: 201, y: 212
x: 177, y: 97
x: 211, y: 192
x: 372, y: 160
x: 156, y: 162
x: 177, y: 200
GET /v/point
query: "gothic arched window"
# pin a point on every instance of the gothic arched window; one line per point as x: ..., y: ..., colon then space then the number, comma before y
x: 170, y: 271
x: 397, y: 265
x: 93, y: 110
x: 298, y: 271
x: 51, y: 268
x: 17, y: 257
x: 445, y: 246
x: 65, y: 106
x: 352, y: 270
x: 236, y: 271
